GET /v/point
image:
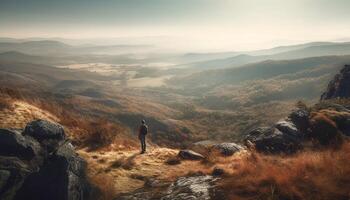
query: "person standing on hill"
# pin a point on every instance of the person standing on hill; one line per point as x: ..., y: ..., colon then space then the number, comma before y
x: 143, y: 130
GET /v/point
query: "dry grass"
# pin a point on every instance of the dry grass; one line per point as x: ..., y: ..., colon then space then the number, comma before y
x: 322, y: 175
x: 124, y: 162
x: 104, y: 187
x: 85, y: 130
x: 98, y: 134
x: 5, y: 103
x: 6, y: 99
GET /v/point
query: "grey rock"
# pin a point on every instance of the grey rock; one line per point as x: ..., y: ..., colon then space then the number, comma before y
x: 4, y: 176
x: 227, y: 149
x: 272, y: 140
x: 43, y: 130
x: 18, y: 170
x: 287, y: 127
x: 13, y: 143
x: 300, y: 118
x: 190, y: 155
x: 42, y: 165
x: 184, y: 188
x: 188, y: 188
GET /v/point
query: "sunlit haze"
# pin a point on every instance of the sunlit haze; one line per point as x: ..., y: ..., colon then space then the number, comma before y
x: 202, y: 25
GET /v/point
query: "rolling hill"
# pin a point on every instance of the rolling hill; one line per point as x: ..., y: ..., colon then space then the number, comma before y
x: 261, y: 70
x: 54, y: 48
x: 284, y: 53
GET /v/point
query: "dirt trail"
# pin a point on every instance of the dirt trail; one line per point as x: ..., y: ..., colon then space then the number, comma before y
x: 21, y: 113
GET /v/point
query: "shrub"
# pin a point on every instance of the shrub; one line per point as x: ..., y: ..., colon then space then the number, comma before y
x: 97, y: 134
x: 324, y: 129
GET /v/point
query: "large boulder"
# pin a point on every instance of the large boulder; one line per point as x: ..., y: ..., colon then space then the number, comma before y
x: 283, y: 138
x: 339, y: 87
x: 44, y: 130
x: 190, y: 155
x: 288, y: 127
x: 50, y: 135
x: 65, y: 172
x: 32, y: 169
x: 227, y: 149
x: 300, y: 118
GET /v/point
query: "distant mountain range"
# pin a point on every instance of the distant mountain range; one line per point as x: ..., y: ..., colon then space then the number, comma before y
x: 15, y: 56
x: 50, y: 47
x: 278, y: 53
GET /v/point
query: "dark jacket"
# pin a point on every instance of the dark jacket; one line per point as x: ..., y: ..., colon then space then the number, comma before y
x: 143, y: 130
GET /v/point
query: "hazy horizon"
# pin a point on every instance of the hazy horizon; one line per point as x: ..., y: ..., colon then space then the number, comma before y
x: 195, y: 25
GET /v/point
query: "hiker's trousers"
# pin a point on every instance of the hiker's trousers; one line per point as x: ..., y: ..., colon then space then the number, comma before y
x: 143, y: 142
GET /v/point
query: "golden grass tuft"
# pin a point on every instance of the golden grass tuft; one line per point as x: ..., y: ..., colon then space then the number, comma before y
x: 320, y: 175
x: 104, y: 187
x: 5, y: 103
x: 126, y: 163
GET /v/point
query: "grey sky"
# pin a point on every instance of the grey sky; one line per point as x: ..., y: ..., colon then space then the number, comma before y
x: 217, y: 23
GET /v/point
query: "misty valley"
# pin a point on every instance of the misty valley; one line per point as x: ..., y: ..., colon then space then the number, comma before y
x: 174, y: 100
x: 178, y: 96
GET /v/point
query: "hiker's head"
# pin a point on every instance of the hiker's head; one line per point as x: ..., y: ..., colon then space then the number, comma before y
x: 143, y: 121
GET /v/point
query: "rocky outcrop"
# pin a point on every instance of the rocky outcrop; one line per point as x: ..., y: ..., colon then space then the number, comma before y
x: 300, y: 118
x: 283, y: 137
x: 339, y: 87
x: 197, y: 187
x: 227, y: 149
x: 190, y: 155
x: 13, y: 144
x: 201, y: 187
x: 44, y: 130
x: 40, y: 164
